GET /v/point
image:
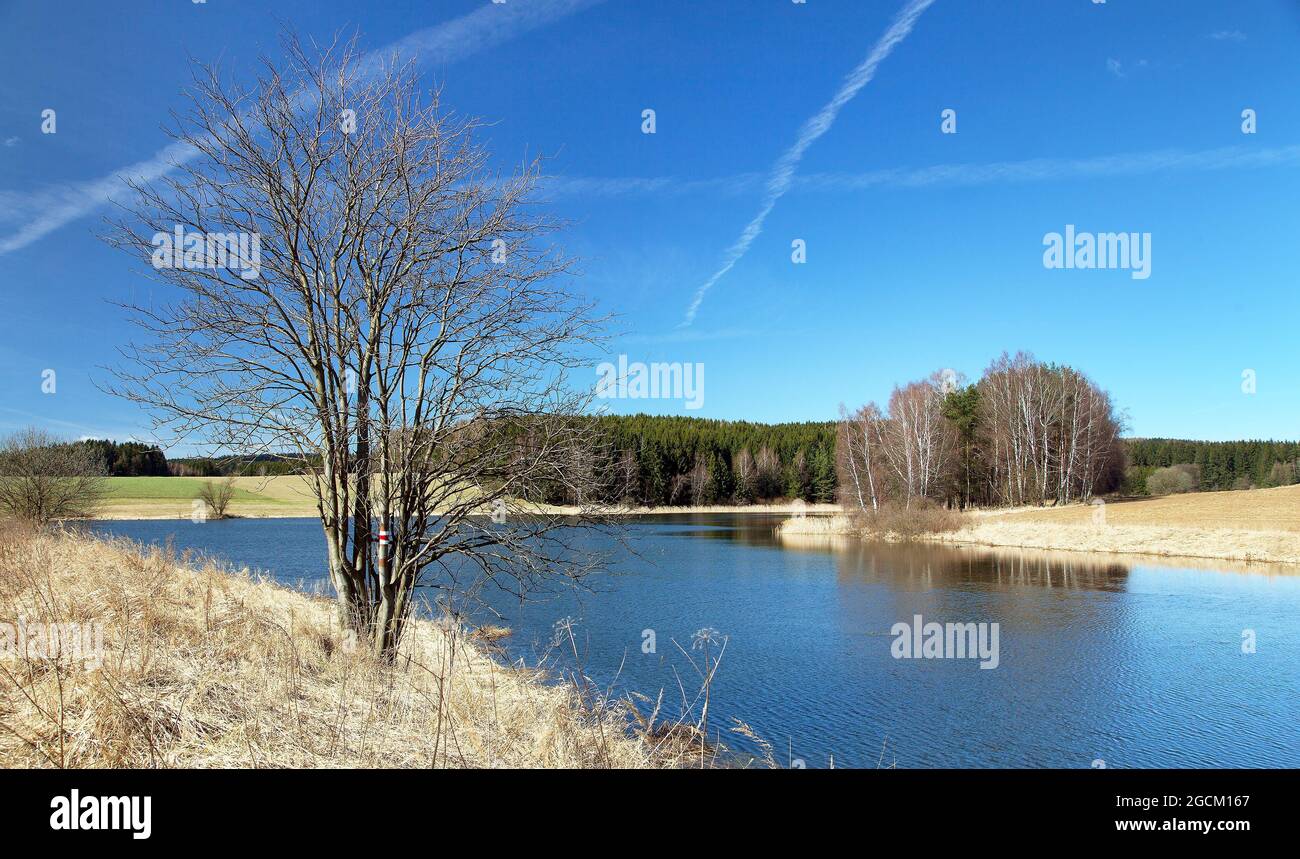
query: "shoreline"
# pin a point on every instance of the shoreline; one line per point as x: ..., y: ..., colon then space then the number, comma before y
x: 1236, y: 546
x: 1014, y: 530
x: 820, y: 510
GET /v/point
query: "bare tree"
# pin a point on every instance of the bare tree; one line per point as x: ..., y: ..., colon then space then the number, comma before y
x: 43, y: 479
x: 861, y: 461
x: 404, y: 332
x: 1048, y: 433
x: 906, y: 455
x: 768, y: 473
x: 919, y: 443
x: 627, y: 479
x: 746, y: 475
x: 700, y: 479
x: 217, y: 496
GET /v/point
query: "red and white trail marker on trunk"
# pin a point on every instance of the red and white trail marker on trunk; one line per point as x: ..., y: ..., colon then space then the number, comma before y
x: 382, y: 560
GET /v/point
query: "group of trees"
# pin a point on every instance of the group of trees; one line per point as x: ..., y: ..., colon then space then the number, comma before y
x: 137, y: 459
x: 651, y: 460
x: 128, y: 458
x: 261, y: 465
x: 43, y: 479
x: 1219, y: 464
x: 668, y: 460
x: 1026, y: 433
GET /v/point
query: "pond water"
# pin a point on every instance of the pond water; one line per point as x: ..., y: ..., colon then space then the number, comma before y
x: 1129, y: 663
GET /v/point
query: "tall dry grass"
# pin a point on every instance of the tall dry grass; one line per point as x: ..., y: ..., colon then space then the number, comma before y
x: 205, y: 668
x: 890, y: 521
x: 922, y: 519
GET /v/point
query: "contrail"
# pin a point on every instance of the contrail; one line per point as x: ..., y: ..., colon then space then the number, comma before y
x: 938, y: 175
x: 492, y: 24
x: 779, y: 182
x: 1056, y: 169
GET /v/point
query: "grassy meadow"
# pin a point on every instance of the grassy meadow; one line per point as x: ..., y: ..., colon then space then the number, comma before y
x: 173, y: 497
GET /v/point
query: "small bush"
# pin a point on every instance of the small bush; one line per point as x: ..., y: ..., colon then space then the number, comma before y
x: 1184, y: 477
x: 217, y: 496
x: 922, y: 517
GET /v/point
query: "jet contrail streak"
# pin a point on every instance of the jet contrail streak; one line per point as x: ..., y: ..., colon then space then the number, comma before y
x: 494, y: 23
x: 935, y: 176
x: 783, y: 173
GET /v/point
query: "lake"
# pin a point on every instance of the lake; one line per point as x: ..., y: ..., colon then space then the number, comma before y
x: 1125, y: 662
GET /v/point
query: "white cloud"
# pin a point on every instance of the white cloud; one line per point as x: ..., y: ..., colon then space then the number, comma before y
x: 1228, y: 36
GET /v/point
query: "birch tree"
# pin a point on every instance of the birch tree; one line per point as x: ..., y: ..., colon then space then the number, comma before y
x: 859, y: 448
x: 1047, y: 433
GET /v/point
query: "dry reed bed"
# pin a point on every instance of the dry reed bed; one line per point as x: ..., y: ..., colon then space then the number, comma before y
x: 204, y: 668
x: 818, y: 526
x: 890, y: 523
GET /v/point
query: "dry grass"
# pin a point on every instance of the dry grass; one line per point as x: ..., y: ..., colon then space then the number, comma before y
x: 1245, y: 510
x: 890, y: 522
x: 1248, y: 525
x: 819, y: 526
x: 1274, y: 547
x: 204, y: 668
x: 1257, y: 526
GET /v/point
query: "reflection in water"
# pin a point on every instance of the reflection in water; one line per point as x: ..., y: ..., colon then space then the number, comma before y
x: 930, y: 566
x: 1127, y: 661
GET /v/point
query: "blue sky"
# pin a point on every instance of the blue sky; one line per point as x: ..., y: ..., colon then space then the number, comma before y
x: 1114, y: 117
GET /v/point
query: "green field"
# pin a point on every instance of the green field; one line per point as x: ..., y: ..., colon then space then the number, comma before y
x: 147, y: 497
x: 162, y: 488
